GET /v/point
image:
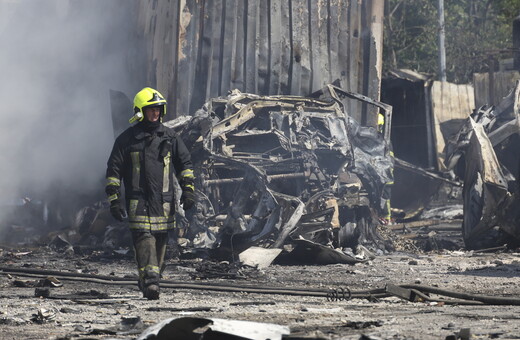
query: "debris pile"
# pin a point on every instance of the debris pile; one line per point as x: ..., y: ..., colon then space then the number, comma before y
x: 275, y: 170
x: 484, y: 153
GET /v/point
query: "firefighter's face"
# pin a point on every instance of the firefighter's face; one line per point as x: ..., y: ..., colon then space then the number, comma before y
x: 152, y: 114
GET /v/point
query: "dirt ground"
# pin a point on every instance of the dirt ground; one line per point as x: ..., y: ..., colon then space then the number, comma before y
x: 119, y: 311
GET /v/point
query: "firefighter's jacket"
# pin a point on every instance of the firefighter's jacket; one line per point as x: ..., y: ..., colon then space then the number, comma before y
x: 146, y: 163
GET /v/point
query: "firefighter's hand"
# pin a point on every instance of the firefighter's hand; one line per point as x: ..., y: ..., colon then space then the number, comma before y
x: 117, y: 211
x: 187, y: 199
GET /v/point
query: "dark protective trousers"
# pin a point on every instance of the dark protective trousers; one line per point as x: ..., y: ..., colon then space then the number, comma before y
x: 149, y: 254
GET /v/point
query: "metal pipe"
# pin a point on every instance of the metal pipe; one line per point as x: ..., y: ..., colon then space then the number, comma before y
x: 240, y: 179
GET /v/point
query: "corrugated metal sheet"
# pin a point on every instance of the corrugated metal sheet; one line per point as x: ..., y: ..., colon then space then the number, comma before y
x: 491, y: 92
x: 199, y: 49
x: 451, y: 104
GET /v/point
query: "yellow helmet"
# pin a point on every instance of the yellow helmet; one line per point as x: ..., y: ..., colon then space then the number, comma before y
x: 147, y: 97
x: 380, y: 119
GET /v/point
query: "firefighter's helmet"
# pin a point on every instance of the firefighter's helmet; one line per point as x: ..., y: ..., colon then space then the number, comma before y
x: 147, y: 97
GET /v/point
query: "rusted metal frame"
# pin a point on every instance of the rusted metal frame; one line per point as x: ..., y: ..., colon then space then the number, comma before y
x: 248, y: 112
x: 232, y: 122
x: 274, y: 98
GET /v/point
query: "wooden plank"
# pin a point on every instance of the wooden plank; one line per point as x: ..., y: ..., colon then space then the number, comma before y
x: 323, y: 41
x: 204, y: 58
x: 479, y: 82
x: 227, y: 56
x: 263, y: 49
x: 373, y: 65
x: 334, y: 30
x: 343, y: 44
x: 251, y: 50
x: 237, y: 66
x: 275, y: 47
x: 365, y: 59
x: 304, y: 52
x: 296, y: 8
x: 438, y: 104
x: 454, y: 108
x: 188, y: 40
x: 218, y: 41
x: 315, y: 52
x: 174, y: 33
x: 285, y: 36
x: 355, y: 56
x: 301, y: 65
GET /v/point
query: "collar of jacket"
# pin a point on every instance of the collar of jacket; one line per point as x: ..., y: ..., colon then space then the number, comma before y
x: 139, y: 133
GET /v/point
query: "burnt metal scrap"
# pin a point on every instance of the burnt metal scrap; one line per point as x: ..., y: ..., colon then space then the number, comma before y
x: 272, y: 169
x: 485, y: 155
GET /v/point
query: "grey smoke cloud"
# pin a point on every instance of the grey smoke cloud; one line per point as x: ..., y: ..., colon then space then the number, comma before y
x: 59, y: 59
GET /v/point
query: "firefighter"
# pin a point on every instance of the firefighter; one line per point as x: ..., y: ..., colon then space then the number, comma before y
x: 145, y: 157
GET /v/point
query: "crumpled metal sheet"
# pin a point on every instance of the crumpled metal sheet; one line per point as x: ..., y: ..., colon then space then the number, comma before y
x: 485, y: 154
x: 188, y: 328
x: 262, y: 163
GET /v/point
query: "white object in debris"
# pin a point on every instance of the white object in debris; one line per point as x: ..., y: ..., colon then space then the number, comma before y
x: 258, y: 256
x: 192, y: 328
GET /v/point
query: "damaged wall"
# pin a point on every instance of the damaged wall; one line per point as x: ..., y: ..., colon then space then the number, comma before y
x: 202, y: 49
x: 451, y: 106
x: 426, y: 114
x: 492, y: 87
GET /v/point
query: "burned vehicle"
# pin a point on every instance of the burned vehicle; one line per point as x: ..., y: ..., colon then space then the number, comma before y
x: 275, y: 171
x: 485, y: 154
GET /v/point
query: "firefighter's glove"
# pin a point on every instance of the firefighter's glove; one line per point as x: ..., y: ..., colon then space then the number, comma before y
x: 187, y: 199
x: 117, y: 211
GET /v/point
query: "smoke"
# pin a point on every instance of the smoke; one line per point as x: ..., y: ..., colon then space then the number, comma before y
x: 59, y: 59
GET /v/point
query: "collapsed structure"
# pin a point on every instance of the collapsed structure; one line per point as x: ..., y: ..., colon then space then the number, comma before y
x: 484, y: 153
x: 274, y: 169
